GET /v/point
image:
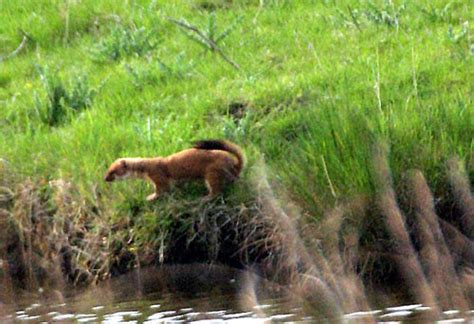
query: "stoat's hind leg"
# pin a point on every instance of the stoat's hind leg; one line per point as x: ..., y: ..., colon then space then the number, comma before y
x: 216, y: 178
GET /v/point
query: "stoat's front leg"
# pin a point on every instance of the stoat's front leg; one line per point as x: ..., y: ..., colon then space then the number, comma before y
x: 161, y: 185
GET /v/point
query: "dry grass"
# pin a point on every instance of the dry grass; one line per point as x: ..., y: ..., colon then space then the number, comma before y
x: 401, y: 246
x: 462, y: 194
x: 53, y: 238
x: 434, y: 255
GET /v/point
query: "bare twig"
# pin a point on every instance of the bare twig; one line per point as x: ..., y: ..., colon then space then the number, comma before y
x: 16, y: 51
x: 354, y: 18
x: 212, y: 45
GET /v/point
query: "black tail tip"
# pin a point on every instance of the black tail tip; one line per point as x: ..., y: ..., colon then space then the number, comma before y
x: 210, y: 144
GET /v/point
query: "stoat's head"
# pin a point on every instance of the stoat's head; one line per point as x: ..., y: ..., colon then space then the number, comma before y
x: 119, y: 170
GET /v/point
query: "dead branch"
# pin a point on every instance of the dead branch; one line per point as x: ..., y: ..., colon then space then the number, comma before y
x: 208, y: 41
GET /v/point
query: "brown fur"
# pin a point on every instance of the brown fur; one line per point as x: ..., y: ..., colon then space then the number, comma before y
x: 218, y: 162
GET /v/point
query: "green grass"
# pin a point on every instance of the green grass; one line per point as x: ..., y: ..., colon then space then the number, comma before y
x: 321, y: 82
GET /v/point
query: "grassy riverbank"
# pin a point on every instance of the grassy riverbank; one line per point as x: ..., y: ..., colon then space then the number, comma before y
x: 310, y: 87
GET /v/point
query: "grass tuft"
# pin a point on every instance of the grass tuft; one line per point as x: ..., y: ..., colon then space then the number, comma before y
x: 62, y: 100
x: 124, y: 41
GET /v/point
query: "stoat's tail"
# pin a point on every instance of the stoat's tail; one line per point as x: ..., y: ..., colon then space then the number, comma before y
x: 223, y: 145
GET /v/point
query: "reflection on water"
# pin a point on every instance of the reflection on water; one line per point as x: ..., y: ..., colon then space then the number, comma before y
x: 187, y: 293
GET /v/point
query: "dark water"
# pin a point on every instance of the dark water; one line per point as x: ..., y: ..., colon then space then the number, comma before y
x: 193, y: 293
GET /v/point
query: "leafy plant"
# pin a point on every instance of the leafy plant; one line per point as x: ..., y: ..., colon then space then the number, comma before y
x: 461, y: 39
x: 387, y: 14
x: 125, y: 41
x: 177, y: 69
x: 159, y: 71
x: 458, y: 36
x: 62, y: 99
x: 438, y: 14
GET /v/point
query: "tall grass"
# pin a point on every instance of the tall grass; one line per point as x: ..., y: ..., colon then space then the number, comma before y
x: 320, y: 83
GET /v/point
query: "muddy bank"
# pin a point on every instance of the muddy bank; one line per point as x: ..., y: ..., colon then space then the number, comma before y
x: 401, y: 244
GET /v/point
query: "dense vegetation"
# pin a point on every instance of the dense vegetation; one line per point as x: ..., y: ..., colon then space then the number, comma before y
x: 308, y: 87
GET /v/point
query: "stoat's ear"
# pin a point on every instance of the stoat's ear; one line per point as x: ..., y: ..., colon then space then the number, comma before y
x: 123, y: 164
